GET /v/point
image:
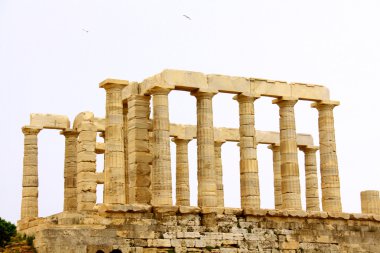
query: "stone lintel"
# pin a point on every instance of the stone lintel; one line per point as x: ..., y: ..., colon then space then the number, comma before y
x: 49, y: 121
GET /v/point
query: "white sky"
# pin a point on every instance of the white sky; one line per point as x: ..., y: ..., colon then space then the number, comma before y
x: 50, y: 64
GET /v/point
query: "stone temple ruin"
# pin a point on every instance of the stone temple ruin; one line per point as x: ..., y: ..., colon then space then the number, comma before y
x: 139, y: 214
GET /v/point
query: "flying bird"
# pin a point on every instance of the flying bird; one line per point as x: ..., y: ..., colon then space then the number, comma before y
x: 186, y: 17
x: 85, y: 30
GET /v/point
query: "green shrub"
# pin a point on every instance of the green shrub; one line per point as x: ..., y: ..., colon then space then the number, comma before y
x: 7, y: 230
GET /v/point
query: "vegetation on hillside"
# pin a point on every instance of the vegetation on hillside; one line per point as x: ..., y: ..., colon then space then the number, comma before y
x: 7, y: 230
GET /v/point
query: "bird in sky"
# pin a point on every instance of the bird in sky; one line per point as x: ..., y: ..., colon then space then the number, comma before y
x: 186, y: 17
x: 85, y: 30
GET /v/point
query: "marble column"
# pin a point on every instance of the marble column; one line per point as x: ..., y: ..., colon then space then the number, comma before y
x: 182, y: 172
x: 205, y: 150
x: 290, y: 181
x: 331, y: 200
x: 370, y: 202
x: 114, y: 173
x: 249, y: 172
x: 311, y: 178
x: 29, y: 203
x: 139, y: 156
x: 276, y: 156
x: 86, y: 166
x: 125, y: 136
x: 70, y: 170
x: 219, y: 173
x: 161, y: 167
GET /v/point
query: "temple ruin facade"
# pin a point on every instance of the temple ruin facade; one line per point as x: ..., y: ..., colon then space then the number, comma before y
x: 139, y: 214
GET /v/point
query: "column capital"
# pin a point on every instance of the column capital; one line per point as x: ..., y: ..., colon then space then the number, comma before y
x: 219, y: 142
x: 69, y: 132
x: 325, y: 104
x: 274, y: 146
x: 203, y: 93
x: 308, y: 149
x: 285, y: 101
x: 180, y: 140
x: 159, y: 91
x: 242, y: 97
x: 30, y: 130
x: 113, y: 83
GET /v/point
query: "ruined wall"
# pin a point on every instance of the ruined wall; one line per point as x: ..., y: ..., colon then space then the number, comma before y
x: 189, y: 231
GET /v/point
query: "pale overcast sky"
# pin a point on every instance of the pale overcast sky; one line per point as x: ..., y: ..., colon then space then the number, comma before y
x: 53, y: 54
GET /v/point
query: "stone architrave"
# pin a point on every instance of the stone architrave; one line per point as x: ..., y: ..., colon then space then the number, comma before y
x: 311, y: 178
x: 249, y: 172
x: 290, y: 181
x: 161, y: 166
x: 330, y: 183
x: 86, y: 166
x: 370, y: 202
x: 29, y: 203
x: 182, y: 172
x: 139, y: 156
x: 205, y: 150
x: 276, y: 157
x: 114, y: 172
x: 219, y: 173
x: 70, y: 170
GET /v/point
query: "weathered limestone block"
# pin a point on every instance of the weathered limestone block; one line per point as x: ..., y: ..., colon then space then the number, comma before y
x: 290, y: 182
x: 331, y: 200
x: 70, y: 170
x: 114, y: 167
x: 219, y: 173
x: 276, y: 157
x: 249, y: 172
x: 182, y: 172
x: 161, y: 169
x: 205, y: 150
x: 29, y: 202
x: 370, y: 202
x: 50, y: 121
x: 311, y: 180
x: 139, y: 157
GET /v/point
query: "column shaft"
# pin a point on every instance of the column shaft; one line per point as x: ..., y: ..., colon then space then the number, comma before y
x: 370, y: 202
x: 205, y: 150
x: 125, y: 137
x: 114, y: 183
x: 311, y: 179
x: 182, y: 172
x: 290, y: 182
x: 249, y: 173
x: 331, y: 200
x: 29, y: 203
x: 139, y: 156
x: 86, y: 166
x: 276, y: 156
x: 219, y: 173
x: 70, y: 170
x: 161, y: 169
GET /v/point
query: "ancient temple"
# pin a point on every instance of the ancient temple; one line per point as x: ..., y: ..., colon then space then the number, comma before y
x: 139, y: 214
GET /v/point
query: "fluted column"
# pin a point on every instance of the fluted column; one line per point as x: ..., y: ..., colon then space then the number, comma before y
x: 161, y: 167
x: 70, y: 170
x: 219, y: 173
x: 29, y: 203
x: 139, y: 156
x: 276, y: 156
x: 114, y: 183
x: 125, y: 137
x: 290, y: 181
x: 331, y: 200
x: 86, y: 166
x: 370, y: 202
x: 311, y: 178
x: 182, y: 172
x: 205, y: 150
x: 249, y: 172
